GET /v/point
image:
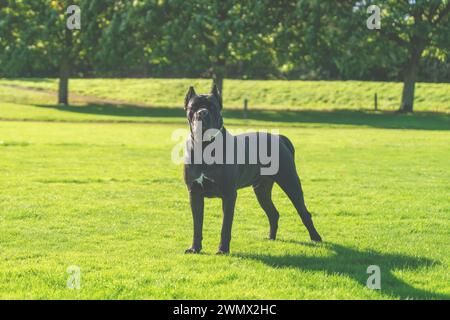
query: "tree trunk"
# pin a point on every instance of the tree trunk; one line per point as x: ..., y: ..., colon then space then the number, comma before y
x: 64, y: 72
x: 219, y: 75
x: 221, y: 49
x: 64, y: 68
x: 409, y: 83
x: 218, y: 80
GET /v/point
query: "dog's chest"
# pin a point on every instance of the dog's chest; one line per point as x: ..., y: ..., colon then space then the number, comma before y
x: 204, y: 181
x: 208, y: 186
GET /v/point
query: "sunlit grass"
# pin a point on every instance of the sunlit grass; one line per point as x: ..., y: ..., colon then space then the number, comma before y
x: 107, y: 198
x: 275, y: 94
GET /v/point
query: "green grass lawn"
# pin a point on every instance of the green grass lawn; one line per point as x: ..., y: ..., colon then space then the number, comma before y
x: 99, y: 191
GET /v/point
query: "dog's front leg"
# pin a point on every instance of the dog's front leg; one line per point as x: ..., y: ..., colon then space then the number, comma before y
x: 228, y: 203
x: 197, y: 207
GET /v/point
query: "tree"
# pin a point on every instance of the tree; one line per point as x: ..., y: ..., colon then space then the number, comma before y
x: 61, y: 42
x: 419, y: 27
x: 212, y: 37
x: 308, y: 41
x: 38, y: 39
x: 22, y: 51
x: 409, y: 31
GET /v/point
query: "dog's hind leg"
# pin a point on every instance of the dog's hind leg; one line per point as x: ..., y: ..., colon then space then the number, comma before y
x: 263, y: 191
x: 287, y: 178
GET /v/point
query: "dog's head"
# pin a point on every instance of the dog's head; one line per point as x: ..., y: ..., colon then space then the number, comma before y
x: 204, y: 112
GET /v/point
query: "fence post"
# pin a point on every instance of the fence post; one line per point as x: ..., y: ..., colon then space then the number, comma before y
x: 376, y: 101
x: 245, y: 108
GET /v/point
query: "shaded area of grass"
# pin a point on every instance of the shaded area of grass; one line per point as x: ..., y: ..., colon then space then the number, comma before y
x: 338, y: 263
x: 113, y: 105
x: 391, y: 120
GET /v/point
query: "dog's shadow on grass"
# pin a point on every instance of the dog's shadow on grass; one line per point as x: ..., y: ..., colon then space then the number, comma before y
x: 353, y: 263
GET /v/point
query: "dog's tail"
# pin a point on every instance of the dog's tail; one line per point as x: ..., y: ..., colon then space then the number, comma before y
x: 288, y: 143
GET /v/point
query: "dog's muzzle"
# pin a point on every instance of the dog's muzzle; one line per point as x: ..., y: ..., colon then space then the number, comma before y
x: 201, y: 121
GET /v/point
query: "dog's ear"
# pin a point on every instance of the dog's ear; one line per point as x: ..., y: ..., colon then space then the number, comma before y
x: 190, y: 94
x: 215, y: 92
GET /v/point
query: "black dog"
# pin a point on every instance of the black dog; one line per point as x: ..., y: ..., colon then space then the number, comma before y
x: 224, y: 179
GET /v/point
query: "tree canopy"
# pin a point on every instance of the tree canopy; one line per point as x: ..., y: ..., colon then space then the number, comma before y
x: 264, y: 39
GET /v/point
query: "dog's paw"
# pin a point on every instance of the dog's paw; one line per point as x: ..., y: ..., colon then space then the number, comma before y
x: 221, y: 252
x: 316, y: 238
x: 192, y: 250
